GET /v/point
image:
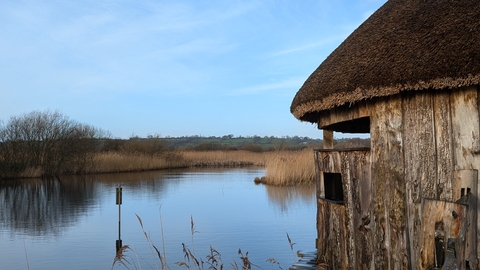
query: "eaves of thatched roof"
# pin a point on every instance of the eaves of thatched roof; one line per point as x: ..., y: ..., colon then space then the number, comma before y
x: 405, y: 45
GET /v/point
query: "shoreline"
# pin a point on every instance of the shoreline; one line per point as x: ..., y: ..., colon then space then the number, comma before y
x: 282, y: 167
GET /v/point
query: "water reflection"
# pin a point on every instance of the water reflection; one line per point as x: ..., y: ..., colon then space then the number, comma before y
x: 43, y: 207
x: 37, y: 207
x: 81, y: 215
x: 285, y: 197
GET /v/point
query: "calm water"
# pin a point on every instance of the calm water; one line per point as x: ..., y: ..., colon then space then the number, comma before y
x: 72, y: 223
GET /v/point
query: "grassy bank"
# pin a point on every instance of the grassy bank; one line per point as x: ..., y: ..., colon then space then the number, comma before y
x: 282, y: 167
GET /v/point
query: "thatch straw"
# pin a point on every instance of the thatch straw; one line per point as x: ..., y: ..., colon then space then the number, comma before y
x: 403, y: 46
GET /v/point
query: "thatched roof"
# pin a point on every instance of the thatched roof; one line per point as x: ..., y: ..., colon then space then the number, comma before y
x: 405, y: 45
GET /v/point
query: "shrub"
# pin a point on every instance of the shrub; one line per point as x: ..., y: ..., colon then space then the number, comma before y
x: 48, y: 143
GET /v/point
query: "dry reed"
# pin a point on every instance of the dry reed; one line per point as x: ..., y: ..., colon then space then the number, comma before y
x: 288, y: 168
x: 282, y: 167
x: 224, y: 158
x: 191, y: 260
x: 119, y: 162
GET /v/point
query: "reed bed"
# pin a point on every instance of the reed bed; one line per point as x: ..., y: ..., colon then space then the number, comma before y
x: 283, y: 167
x: 119, y: 162
x: 225, y: 158
x: 287, y: 168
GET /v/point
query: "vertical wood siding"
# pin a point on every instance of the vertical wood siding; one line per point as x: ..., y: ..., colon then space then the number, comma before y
x: 345, y: 229
x: 425, y: 149
x: 465, y: 132
x: 453, y: 219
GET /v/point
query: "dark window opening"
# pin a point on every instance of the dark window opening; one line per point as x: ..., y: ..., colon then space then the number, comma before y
x: 462, y: 192
x: 333, y: 186
x: 358, y: 125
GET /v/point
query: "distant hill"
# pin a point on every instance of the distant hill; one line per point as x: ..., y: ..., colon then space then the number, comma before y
x: 264, y: 142
x: 230, y: 140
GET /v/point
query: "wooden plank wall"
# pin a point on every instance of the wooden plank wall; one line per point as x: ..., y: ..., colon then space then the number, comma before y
x: 453, y: 220
x: 332, y: 249
x: 349, y: 223
x: 440, y: 133
x: 389, y: 229
x: 425, y: 145
x: 420, y: 168
x: 465, y: 132
x: 444, y: 145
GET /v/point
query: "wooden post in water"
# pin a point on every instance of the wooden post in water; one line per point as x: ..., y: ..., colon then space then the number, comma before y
x: 118, y: 243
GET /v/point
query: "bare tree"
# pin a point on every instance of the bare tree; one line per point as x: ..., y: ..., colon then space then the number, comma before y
x: 48, y: 142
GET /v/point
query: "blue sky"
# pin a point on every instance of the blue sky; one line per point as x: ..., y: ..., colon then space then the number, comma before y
x: 170, y: 67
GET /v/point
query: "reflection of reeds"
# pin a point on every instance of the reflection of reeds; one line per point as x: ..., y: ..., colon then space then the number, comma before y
x: 282, y: 196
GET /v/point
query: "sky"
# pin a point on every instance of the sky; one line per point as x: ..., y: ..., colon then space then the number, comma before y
x: 170, y: 67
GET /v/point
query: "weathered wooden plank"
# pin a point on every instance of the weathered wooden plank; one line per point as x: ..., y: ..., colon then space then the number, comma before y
x: 360, y: 181
x: 323, y: 229
x: 318, y: 173
x: 343, y: 113
x: 466, y: 182
x: 465, y: 129
x: 444, y: 145
x: 349, y: 204
x: 329, y: 162
x: 465, y: 126
x: 389, y: 233
x: 332, y: 249
x: 420, y: 149
x: 354, y: 168
x: 443, y: 220
x: 420, y: 162
x: 327, y: 139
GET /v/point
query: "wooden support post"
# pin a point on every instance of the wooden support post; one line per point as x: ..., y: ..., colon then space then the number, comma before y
x: 327, y: 139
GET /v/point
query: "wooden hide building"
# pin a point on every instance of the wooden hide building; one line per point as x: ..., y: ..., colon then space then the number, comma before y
x: 410, y: 77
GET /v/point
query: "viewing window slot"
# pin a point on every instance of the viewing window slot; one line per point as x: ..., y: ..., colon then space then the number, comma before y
x: 333, y: 186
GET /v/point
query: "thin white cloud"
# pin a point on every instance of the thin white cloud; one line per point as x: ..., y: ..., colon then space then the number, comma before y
x: 288, y: 84
x: 309, y: 46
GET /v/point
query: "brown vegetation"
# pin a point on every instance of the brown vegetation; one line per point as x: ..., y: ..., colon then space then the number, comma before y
x: 287, y: 168
x: 282, y: 167
x: 48, y: 144
x: 112, y: 162
x: 224, y: 158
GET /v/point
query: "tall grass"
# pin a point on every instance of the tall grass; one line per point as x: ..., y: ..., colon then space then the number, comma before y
x: 283, y: 167
x: 287, y: 168
x: 225, y: 158
x: 120, y: 162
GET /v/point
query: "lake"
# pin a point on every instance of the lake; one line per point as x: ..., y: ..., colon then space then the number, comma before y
x: 73, y: 222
